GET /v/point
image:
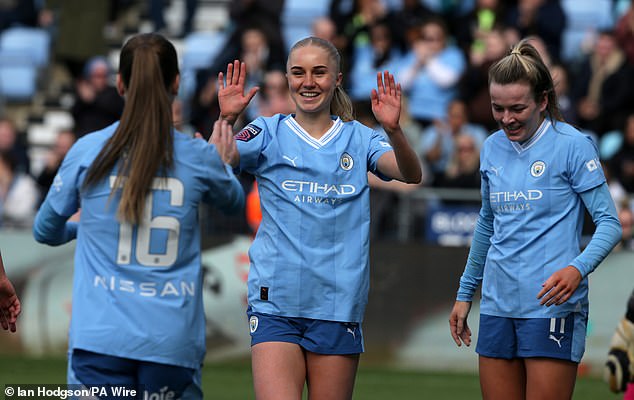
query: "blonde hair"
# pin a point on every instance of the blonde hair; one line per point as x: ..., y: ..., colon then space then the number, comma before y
x: 142, y: 146
x: 341, y: 105
x: 524, y: 64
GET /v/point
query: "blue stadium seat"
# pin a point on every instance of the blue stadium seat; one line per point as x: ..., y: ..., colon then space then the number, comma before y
x: 32, y: 42
x: 18, y: 76
x: 23, y: 53
x: 298, y: 17
x: 583, y: 19
x: 199, y: 50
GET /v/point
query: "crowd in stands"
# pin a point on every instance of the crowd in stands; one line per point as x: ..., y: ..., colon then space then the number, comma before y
x: 440, y: 52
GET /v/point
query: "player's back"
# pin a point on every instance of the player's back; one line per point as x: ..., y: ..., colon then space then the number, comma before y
x: 139, y: 285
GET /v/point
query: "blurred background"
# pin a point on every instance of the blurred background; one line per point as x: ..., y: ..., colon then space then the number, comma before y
x: 58, y: 61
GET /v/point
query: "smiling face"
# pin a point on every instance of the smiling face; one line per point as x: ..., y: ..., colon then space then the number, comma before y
x: 312, y: 78
x: 515, y: 110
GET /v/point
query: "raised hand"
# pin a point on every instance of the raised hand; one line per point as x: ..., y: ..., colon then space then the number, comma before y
x: 222, y: 138
x: 386, y: 101
x: 231, y: 96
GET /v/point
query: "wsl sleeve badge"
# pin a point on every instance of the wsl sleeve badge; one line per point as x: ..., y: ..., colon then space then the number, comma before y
x: 248, y: 132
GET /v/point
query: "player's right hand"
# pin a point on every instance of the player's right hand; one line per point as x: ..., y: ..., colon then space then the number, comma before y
x: 458, y: 326
x: 231, y: 97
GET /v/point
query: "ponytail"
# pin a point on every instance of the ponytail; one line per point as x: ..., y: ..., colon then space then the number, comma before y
x: 342, y: 105
x: 142, y: 146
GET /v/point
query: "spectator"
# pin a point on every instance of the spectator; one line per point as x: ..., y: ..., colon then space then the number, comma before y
x: 379, y: 54
x: 10, y: 141
x: 405, y: 21
x: 18, y: 13
x: 353, y: 26
x: 602, y: 89
x: 157, y: 14
x: 18, y: 194
x: 430, y: 73
x: 263, y: 15
x: 204, y: 108
x: 472, y: 29
x: 622, y: 163
x: 97, y: 102
x: 63, y: 143
x: 437, y: 144
x: 463, y: 169
x: 324, y: 28
x: 473, y: 86
x: 624, y: 32
x: 561, y: 79
x: 255, y: 50
x: 274, y: 97
x: 543, y: 18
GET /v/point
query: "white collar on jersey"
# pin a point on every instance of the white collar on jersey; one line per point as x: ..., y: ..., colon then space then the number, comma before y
x: 534, y: 139
x: 330, y: 134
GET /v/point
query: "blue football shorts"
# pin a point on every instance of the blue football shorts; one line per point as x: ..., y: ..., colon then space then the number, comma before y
x: 150, y: 379
x: 314, y: 335
x: 561, y: 338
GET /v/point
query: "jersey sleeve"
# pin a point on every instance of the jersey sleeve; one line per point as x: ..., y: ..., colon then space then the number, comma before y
x: 63, y: 195
x: 250, y: 142
x: 379, y: 145
x: 584, y: 165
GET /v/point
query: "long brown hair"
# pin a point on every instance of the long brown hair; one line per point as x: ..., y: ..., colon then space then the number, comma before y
x: 524, y: 64
x: 142, y: 146
x: 341, y: 104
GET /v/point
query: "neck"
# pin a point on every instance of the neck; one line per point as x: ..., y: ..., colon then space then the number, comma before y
x: 315, y: 124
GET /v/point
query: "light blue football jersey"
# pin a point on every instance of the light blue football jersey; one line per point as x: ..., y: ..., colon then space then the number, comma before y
x: 137, y: 289
x: 533, y: 191
x: 310, y: 257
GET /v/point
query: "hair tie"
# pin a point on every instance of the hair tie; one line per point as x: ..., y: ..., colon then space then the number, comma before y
x: 516, y: 51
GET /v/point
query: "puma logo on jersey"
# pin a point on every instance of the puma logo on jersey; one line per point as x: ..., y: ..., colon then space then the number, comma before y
x: 497, y: 170
x: 291, y: 160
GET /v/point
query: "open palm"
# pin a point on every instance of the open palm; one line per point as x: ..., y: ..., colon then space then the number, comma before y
x: 231, y: 96
x: 386, y: 100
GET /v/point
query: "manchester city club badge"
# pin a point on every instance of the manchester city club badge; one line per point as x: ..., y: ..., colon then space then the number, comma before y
x: 538, y: 168
x: 346, y: 162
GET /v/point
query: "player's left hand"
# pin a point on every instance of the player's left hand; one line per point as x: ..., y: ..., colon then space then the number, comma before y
x: 9, y: 305
x: 222, y: 138
x: 386, y: 101
x: 559, y: 286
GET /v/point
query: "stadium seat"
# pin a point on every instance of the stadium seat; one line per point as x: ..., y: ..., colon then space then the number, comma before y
x: 610, y: 143
x: 32, y: 42
x: 583, y: 19
x: 199, y: 50
x: 23, y: 53
x: 298, y: 16
x: 18, y: 77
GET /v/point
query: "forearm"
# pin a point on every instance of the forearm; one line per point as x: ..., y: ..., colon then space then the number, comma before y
x: 474, y: 270
x: 406, y: 158
x: 51, y: 228
x: 607, y: 233
x: 472, y: 275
